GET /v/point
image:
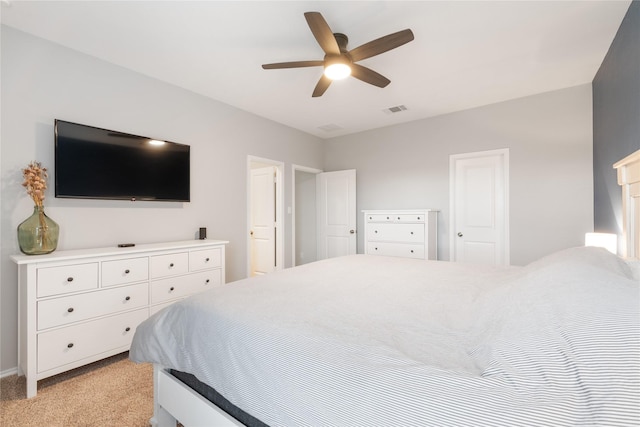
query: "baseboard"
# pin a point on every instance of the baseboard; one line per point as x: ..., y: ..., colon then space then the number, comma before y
x: 9, y: 372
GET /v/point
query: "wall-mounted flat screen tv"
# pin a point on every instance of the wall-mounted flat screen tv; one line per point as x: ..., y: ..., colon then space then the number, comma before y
x: 95, y: 163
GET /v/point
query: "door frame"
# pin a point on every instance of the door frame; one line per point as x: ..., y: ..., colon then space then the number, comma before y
x: 504, y: 153
x: 294, y: 169
x: 279, y: 209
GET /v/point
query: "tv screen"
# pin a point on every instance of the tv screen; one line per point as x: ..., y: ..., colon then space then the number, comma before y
x: 94, y: 163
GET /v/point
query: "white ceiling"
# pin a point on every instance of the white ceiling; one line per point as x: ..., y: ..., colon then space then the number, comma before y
x: 465, y: 53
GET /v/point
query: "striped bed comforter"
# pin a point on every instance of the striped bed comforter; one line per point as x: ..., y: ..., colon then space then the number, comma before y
x: 376, y: 341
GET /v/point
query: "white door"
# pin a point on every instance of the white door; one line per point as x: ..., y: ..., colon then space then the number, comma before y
x: 479, y: 207
x: 263, y: 220
x: 336, y: 203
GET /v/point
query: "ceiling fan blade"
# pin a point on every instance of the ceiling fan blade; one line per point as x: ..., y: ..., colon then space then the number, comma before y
x: 322, y: 86
x: 322, y: 32
x: 367, y: 75
x: 294, y: 64
x: 383, y: 44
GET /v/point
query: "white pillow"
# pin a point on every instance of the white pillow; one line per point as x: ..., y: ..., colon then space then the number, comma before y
x: 634, y: 266
x: 584, y: 257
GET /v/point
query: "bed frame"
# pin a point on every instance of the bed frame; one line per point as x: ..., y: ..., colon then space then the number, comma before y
x: 174, y: 400
x: 628, y: 170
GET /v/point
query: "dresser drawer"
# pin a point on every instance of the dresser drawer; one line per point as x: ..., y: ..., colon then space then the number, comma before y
x: 395, y: 218
x: 406, y: 233
x: 396, y: 249
x: 66, y: 279
x: 74, y: 308
x: 125, y: 271
x: 379, y: 218
x: 202, y: 260
x: 67, y: 345
x: 169, y: 265
x: 409, y: 218
x: 179, y: 287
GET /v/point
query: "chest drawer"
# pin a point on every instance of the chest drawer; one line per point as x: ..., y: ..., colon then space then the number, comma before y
x: 66, y: 279
x: 178, y: 287
x: 67, y: 345
x: 396, y: 249
x: 74, y: 308
x: 409, y: 218
x: 379, y: 218
x: 401, y: 217
x: 169, y: 265
x: 409, y: 233
x: 124, y: 271
x: 202, y: 260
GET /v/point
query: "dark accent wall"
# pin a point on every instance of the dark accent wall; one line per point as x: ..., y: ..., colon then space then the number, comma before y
x: 616, y: 119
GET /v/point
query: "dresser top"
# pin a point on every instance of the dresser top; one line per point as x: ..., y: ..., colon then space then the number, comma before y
x: 114, y: 250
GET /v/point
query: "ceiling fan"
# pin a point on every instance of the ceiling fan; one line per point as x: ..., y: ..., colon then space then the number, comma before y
x: 339, y: 62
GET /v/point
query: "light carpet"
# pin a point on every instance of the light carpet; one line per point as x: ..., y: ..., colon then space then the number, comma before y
x: 112, y: 392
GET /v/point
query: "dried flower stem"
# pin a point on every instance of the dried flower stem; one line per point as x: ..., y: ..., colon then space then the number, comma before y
x: 35, y: 181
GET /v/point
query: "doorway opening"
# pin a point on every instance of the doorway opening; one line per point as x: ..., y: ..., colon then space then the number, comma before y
x: 304, y: 215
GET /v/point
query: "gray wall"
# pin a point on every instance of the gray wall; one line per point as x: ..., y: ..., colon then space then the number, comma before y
x: 550, y: 141
x: 616, y: 119
x: 42, y: 81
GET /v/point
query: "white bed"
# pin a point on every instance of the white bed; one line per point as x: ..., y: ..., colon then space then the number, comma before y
x: 377, y: 341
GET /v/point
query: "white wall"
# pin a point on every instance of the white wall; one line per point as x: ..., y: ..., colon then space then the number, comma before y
x: 42, y: 81
x: 550, y: 140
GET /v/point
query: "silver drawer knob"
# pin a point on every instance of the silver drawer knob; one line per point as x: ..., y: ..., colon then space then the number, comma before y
x: 127, y: 329
x: 459, y: 234
x: 127, y: 271
x: 70, y: 345
x: 70, y: 309
x: 127, y: 298
x: 69, y: 279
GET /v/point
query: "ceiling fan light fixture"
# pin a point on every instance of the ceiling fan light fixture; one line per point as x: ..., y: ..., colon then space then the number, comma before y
x: 337, y: 71
x: 339, y: 62
x: 337, y: 68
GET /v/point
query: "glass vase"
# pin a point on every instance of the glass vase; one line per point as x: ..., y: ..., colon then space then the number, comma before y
x: 38, y: 234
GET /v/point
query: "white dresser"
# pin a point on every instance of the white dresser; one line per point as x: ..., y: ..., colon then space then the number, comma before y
x: 402, y: 233
x: 80, y: 306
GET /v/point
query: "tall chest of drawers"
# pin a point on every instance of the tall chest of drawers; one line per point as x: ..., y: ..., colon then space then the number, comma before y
x: 401, y: 233
x: 80, y: 306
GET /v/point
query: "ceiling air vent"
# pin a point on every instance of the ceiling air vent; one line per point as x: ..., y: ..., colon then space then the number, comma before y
x: 396, y: 109
x: 330, y: 127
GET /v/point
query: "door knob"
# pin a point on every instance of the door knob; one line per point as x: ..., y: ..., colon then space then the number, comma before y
x: 459, y: 234
x: 352, y: 231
